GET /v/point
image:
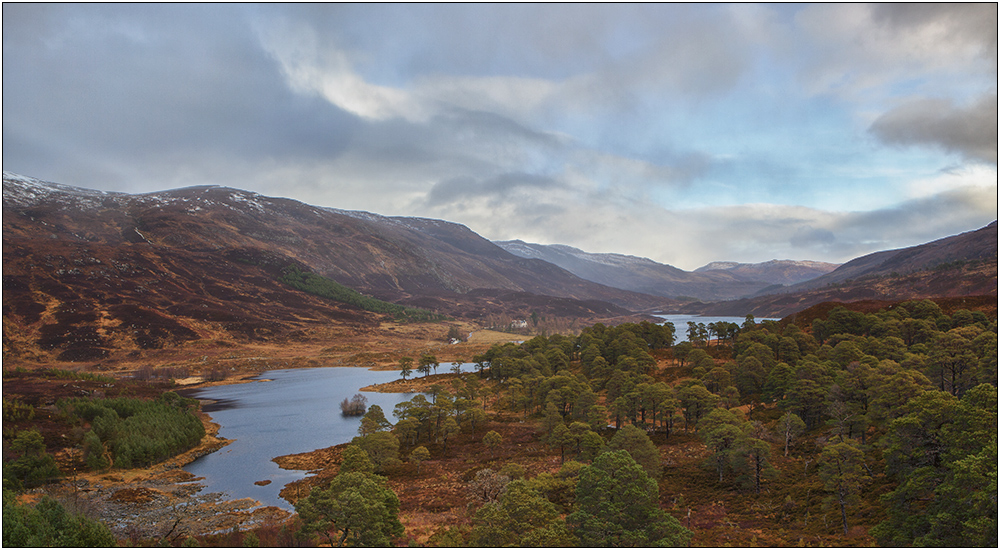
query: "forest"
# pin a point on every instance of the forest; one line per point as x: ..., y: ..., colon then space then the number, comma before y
x: 856, y: 428
x: 328, y: 288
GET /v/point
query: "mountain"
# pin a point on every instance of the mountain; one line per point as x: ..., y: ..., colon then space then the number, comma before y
x: 775, y: 272
x: 963, y: 265
x: 978, y: 245
x: 90, y: 272
x: 716, y: 281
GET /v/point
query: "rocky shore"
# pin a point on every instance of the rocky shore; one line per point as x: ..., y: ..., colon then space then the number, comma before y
x: 162, y: 502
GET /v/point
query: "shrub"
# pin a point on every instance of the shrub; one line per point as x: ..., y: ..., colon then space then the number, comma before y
x: 354, y: 406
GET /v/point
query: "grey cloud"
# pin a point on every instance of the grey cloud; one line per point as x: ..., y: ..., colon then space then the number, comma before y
x: 962, y: 22
x: 970, y: 131
x: 494, y: 188
x: 158, y: 84
x: 807, y: 236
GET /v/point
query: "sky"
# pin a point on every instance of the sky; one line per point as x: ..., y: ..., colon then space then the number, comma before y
x: 684, y: 133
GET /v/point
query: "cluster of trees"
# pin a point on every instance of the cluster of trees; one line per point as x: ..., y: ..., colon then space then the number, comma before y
x: 355, y: 406
x: 721, y: 331
x: 48, y: 523
x: 907, y: 391
x: 613, y: 501
x: 126, y: 432
x: 427, y: 362
x: 34, y: 466
x: 357, y: 508
x: 328, y: 288
x: 420, y: 420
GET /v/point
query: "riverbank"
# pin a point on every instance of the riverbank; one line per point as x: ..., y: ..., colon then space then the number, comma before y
x: 161, y: 502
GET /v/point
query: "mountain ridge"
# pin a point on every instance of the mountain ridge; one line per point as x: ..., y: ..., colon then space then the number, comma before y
x: 963, y: 265
x: 90, y: 273
x: 729, y: 281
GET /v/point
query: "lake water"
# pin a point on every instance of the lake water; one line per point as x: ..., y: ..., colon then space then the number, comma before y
x: 680, y: 322
x: 293, y: 411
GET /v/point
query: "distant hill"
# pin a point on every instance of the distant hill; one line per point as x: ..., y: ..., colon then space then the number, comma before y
x: 716, y: 281
x: 963, y: 265
x: 978, y: 245
x: 88, y: 274
x: 775, y: 272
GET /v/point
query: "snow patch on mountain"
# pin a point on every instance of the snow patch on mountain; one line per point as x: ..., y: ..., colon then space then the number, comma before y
x: 26, y: 191
x: 531, y: 251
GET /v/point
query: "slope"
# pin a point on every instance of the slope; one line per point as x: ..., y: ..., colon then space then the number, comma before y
x: 87, y: 272
x: 724, y: 282
x: 963, y: 265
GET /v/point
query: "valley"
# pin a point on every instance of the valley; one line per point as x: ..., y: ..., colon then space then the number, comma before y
x: 154, y: 297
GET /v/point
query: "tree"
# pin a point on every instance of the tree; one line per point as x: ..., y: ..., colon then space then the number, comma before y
x: 725, y: 435
x: 354, y: 406
x: 522, y: 517
x: 49, y: 524
x: 638, y: 445
x: 682, y: 350
x: 448, y: 428
x: 34, y: 466
x: 95, y: 455
x: 356, y: 509
x: 696, y: 401
x: 492, y: 440
x: 758, y: 451
x: 374, y: 421
x: 427, y: 362
x: 840, y: 468
x: 405, y: 366
x: 382, y: 449
x: 418, y: 456
x: 790, y: 426
x: 562, y: 438
x: 488, y: 485
x: 355, y: 459
x: 617, y: 505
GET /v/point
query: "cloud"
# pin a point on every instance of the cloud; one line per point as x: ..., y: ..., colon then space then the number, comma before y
x: 494, y: 188
x: 970, y: 131
x: 130, y: 110
x: 807, y: 236
x: 949, y: 25
x: 598, y: 126
x: 856, y: 49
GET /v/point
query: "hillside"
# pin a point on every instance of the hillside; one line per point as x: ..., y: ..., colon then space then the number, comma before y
x: 978, y: 245
x: 640, y: 274
x: 89, y: 272
x: 775, y: 272
x: 963, y: 265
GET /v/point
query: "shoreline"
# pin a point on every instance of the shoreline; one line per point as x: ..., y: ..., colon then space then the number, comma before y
x: 162, y: 501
